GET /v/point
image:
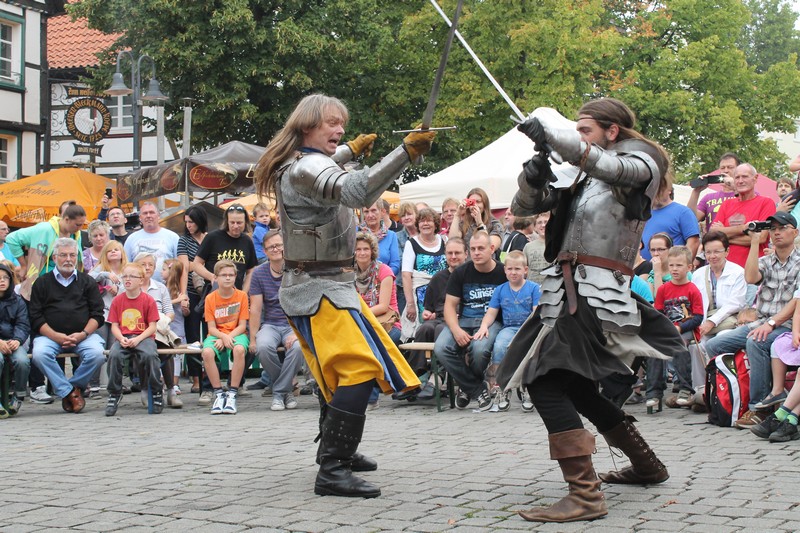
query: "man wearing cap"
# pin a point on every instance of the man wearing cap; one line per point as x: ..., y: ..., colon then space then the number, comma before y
x: 777, y: 275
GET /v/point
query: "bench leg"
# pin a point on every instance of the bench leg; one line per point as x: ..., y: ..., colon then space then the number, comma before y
x: 435, y: 369
x: 5, y: 383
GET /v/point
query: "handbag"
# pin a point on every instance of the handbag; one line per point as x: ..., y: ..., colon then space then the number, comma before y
x: 200, y: 308
x: 388, y: 319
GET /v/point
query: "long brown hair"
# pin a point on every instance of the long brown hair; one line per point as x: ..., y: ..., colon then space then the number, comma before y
x: 608, y: 111
x: 175, y: 273
x: 485, y: 214
x: 309, y: 113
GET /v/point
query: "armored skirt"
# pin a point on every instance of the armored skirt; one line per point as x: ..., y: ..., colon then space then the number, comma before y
x: 346, y: 347
x: 578, y: 343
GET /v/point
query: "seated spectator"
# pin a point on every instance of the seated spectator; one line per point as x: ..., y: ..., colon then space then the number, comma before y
x: 477, y: 216
x: 433, y: 315
x: 777, y: 275
x: 226, y: 312
x: 423, y: 257
x: 722, y: 285
x: 269, y: 327
x: 133, y: 317
x: 98, y: 235
x: 65, y: 310
x: 672, y: 219
x: 514, y: 301
x: 680, y: 300
x: 172, y: 273
x: 261, y: 225
x: 375, y: 284
x: 781, y: 426
x: 449, y: 208
x: 706, y: 210
x: 388, y: 248
x: 469, y: 291
x: 15, y: 329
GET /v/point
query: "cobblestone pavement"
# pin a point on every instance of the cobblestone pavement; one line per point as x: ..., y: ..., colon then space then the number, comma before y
x: 452, y: 471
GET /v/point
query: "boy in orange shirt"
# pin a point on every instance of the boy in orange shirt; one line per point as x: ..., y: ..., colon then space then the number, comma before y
x: 226, y: 311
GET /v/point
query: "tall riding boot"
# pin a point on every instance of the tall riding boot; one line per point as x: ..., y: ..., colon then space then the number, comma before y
x: 340, y: 437
x: 361, y: 463
x: 645, y: 467
x: 573, y: 450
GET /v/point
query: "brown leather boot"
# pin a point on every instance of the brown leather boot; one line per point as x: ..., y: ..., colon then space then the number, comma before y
x: 645, y: 468
x: 573, y: 450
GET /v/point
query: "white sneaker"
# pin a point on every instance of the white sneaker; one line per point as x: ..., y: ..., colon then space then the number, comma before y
x: 290, y: 401
x: 219, y: 404
x: 206, y: 397
x: 173, y: 400
x: 527, y: 404
x: 176, y: 389
x: 277, y: 404
x: 230, y: 403
x: 39, y: 395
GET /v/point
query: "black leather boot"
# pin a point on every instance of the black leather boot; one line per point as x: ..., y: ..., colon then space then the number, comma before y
x: 361, y: 463
x: 340, y: 436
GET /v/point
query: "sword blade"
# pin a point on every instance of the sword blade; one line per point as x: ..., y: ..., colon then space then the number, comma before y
x: 427, y: 118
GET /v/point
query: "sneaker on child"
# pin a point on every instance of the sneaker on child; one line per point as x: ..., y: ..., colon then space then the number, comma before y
x: 230, y: 403
x: 219, y: 403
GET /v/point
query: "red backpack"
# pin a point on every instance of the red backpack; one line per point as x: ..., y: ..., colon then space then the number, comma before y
x: 727, y: 388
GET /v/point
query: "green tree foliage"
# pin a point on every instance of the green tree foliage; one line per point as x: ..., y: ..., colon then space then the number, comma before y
x: 704, y: 77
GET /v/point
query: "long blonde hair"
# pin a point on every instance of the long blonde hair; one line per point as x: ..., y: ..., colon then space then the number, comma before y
x: 309, y: 113
x: 103, y: 265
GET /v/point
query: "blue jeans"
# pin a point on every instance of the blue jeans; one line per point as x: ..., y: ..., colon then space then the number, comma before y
x: 21, y: 366
x: 757, y: 354
x: 281, y: 373
x: 501, y: 342
x: 90, y: 352
x: 467, y: 365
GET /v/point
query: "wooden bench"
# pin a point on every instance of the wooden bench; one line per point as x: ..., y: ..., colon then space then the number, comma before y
x: 5, y: 382
x: 430, y: 355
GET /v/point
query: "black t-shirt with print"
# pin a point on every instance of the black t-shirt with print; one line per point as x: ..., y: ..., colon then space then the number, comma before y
x: 219, y: 245
x: 475, y: 288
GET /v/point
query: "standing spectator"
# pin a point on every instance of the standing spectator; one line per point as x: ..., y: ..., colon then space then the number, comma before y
x: 261, y: 225
x: 658, y: 246
x: 518, y: 239
x: 734, y: 214
x: 706, y: 211
x: 408, y: 221
x: 476, y: 217
x: 98, y: 235
x: 40, y: 240
x: 423, y: 257
x: 3, y: 248
x: 388, y: 222
x: 508, y: 227
x: 389, y: 249
x: 449, y: 209
x: 15, y: 328
x: 65, y: 310
x: 233, y: 243
x: 673, y: 219
x: 117, y: 221
x: 269, y: 328
x: 469, y: 292
x: 777, y: 274
x: 196, y: 223
x: 534, y: 250
x: 152, y: 239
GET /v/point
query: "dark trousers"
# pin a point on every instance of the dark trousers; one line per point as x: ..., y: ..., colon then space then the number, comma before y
x: 561, y: 396
x: 192, y: 323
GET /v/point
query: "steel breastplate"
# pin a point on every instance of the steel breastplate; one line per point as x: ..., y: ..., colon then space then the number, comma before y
x: 598, y: 225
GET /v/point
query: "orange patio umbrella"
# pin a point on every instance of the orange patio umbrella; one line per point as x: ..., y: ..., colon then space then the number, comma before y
x: 31, y: 200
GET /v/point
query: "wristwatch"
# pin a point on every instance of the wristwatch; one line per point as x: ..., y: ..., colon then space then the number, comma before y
x: 772, y: 323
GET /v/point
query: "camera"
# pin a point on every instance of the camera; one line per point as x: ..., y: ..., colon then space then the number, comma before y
x: 469, y: 202
x: 703, y: 181
x: 760, y: 225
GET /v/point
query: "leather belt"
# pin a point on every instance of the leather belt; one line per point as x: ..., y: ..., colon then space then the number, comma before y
x: 319, y: 267
x: 569, y: 259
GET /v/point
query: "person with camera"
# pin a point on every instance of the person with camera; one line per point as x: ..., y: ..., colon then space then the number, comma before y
x: 776, y: 274
x: 475, y: 214
x: 706, y: 210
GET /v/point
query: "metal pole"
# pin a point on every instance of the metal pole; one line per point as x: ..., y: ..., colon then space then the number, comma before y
x: 488, y: 74
x: 187, y: 142
x: 160, y: 146
x: 137, y: 117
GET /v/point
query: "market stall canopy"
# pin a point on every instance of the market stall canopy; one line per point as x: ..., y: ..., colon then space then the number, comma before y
x: 225, y: 169
x: 35, y: 199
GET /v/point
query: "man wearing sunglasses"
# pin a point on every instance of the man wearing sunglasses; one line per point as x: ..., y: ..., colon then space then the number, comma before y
x: 232, y: 242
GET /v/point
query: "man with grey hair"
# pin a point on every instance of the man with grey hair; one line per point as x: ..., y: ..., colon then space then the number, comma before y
x: 152, y: 238
x: 735, y: 213
x: 65, y: 310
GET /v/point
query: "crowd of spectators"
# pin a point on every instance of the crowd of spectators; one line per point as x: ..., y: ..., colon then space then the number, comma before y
x: 457, y: 277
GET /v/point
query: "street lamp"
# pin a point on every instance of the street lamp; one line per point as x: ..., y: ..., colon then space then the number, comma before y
x: 153, y: 94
